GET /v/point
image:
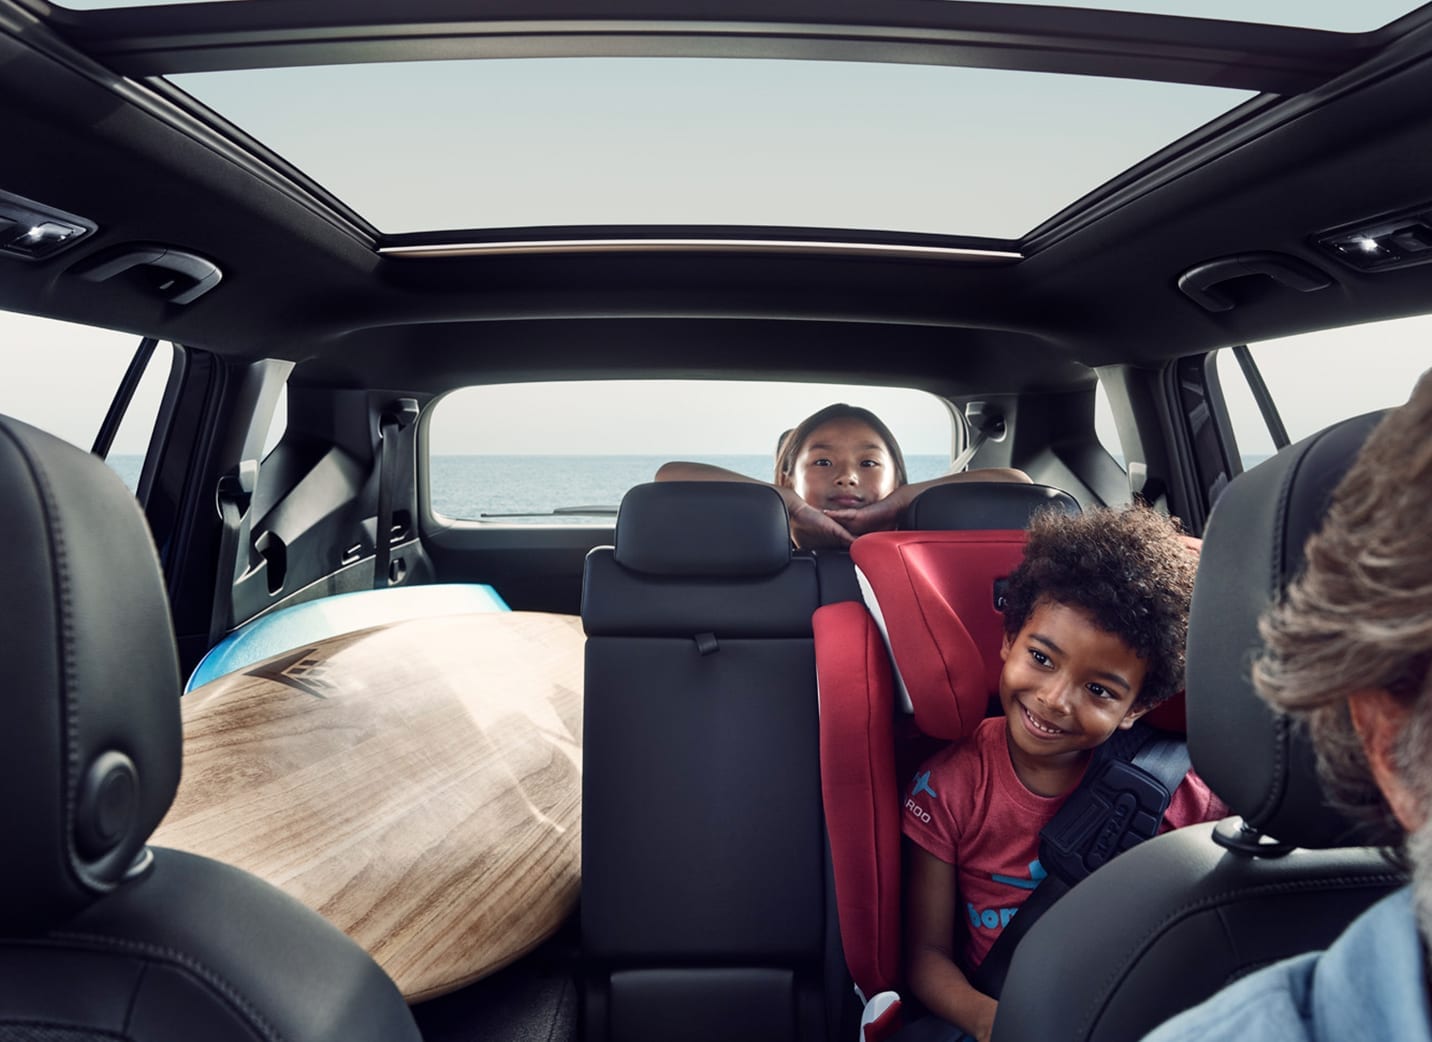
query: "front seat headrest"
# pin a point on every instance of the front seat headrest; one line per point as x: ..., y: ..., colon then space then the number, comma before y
x: 983, y: 506
x: 1252, y: 756
x: 90, y: 734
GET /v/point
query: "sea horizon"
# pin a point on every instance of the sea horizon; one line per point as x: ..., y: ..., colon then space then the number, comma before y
x: 572, y: 488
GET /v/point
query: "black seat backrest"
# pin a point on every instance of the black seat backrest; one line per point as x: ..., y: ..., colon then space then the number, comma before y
x: 101, y: 936
x: 1178, y: 917
x: 983, y: 505
x: 703, y: 865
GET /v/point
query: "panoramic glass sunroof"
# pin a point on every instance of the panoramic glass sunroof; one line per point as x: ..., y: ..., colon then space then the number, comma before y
x: 1334, y: 15
x: 505, y: 143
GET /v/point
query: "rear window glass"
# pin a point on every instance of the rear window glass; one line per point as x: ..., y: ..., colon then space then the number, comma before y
x: 566, y: 452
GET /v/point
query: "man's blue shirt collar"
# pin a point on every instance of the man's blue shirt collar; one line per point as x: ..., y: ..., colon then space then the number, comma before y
x: 1371, y: 983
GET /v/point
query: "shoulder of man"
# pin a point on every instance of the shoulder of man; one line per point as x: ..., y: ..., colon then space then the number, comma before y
x: 1271, y: 1005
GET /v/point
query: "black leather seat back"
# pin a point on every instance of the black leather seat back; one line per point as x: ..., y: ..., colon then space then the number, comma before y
x: 89, y: 726
x: 703, y: 864
x: 983, y: 505
x: 100, y: 937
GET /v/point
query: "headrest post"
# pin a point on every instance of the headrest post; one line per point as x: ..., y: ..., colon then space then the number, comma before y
x: 1244, y: 839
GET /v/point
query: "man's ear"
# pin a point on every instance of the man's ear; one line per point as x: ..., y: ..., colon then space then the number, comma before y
x: 1132, y: 716
x: 1379, y: 719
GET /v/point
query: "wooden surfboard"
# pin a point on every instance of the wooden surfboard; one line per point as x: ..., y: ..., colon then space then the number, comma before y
x: 418, y: 784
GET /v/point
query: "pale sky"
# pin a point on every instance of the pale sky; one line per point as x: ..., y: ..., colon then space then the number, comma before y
x: 581, y: 141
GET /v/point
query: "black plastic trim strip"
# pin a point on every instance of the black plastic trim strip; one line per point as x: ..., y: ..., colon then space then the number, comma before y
x: 207, y: 37
x: 119, y: 405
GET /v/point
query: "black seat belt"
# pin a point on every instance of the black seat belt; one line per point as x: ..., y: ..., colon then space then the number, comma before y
x: 232, y: 496
x: 397, y: 416
x: 1119, y: 804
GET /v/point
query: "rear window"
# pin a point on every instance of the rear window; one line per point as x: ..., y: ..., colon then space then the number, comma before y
x: 566, y: 452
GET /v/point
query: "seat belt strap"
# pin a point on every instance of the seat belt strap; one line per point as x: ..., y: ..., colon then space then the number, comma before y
x: 393, y: 420
x: 232, y: 497
x: 1119, y: 803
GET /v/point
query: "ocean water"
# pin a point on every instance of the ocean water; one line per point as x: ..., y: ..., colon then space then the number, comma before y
x: 527, y: 489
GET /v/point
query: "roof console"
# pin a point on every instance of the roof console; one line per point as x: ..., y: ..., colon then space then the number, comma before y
x: 1394, y: 241
x: 34, y: 231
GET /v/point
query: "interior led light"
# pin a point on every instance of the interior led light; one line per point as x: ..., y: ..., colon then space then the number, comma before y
x: 1393, y: 240
x: 35, y: 231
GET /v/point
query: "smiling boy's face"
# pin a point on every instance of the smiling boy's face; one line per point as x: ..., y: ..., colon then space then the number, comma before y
x: 1066, y: 686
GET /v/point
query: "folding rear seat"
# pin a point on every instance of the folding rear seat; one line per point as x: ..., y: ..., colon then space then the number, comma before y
x: 704, y: 895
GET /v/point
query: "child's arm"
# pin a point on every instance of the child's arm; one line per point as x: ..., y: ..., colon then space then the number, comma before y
x: 809, y: 527
x: 884, y: 514
x: 930, y: 968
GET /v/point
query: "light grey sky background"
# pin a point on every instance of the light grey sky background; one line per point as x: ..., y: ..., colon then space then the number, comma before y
x: 736, y: 141
x: 570, y: 141
x: 574, y: 141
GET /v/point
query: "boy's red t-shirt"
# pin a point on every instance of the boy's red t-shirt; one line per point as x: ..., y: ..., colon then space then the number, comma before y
x: 968, y: 808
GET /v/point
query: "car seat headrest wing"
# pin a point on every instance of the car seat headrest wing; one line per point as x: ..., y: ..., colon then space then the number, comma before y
x: 936, y: 598
x: 703, y: 528
x: 1252, y: 756
x: 89, y: 728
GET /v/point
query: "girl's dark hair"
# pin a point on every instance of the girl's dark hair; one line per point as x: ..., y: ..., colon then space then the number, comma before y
x: 1128, y: 569
x: 792, y: 441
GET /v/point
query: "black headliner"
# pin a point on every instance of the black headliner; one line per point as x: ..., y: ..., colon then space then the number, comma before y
x: 302, y: 280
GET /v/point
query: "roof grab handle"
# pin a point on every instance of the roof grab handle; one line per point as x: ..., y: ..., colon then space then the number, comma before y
x: 1200, y: 283
x: 178, y: 276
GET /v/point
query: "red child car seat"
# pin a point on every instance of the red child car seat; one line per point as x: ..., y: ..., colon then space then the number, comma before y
x: 916, y: 666
x: 933, y: 609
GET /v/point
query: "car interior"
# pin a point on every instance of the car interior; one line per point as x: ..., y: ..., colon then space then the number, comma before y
x: 1095, y: 237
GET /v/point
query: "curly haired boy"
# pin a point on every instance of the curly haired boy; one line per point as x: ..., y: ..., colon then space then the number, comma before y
x: 1095, y: 622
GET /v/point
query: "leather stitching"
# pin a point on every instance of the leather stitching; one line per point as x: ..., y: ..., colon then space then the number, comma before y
x: 187, y: 962
x: 54, y: 527
x: 1389, y: 879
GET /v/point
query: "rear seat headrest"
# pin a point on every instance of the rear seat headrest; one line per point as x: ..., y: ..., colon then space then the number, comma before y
x: 703, y: 528
x: 983, y: 505
x: 1254, y: 758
